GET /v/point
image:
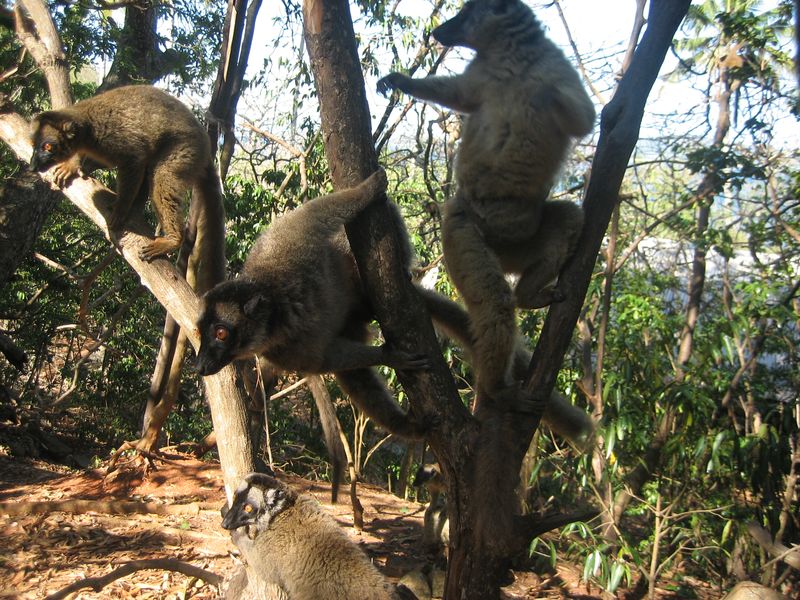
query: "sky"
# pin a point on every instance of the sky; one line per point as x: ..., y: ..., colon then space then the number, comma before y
x: 600, y: 29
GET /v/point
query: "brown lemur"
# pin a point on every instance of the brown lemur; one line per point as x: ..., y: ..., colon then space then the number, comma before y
x: 436, y: 523
x: 299, y: 303
x: 288, y: 541
x: 152, y: 139
x: 524, y: 103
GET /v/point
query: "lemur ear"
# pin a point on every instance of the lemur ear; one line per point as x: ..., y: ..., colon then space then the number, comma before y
x: 53, y: 118
x: 69, y: 128
x: 499, y: 5
x: 57, y: 120
x: 254, y: 304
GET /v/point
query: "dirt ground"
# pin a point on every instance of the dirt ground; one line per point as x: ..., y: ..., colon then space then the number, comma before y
x: 43, y: 553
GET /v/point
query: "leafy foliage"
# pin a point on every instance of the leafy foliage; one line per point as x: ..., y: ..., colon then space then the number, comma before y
x: 732, y: 445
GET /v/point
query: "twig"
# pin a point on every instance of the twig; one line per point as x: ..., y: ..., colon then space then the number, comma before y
x: 287, y: 390
x: 597, y: 93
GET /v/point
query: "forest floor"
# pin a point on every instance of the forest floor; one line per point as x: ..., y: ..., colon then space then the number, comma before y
x: 44, y: 552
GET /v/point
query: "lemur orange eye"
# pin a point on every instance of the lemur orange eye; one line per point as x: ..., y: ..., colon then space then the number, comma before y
x: 220, y: 333
x: 248, y: 508
x: 47, y: 147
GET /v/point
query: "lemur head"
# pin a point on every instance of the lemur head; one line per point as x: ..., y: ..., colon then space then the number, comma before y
x: 54, y: 135
x: 234, y: 324
x: 481, y: 24
x: 257, y: 501
x: 430, y: 476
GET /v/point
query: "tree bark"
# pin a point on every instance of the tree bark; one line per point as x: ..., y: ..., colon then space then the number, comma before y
x: 373, y: 238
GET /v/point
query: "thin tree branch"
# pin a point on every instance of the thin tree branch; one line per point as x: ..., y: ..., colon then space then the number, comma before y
x: 581, y: 67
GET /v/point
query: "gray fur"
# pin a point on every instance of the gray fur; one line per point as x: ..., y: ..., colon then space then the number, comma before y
x: 291, y: 543
x: 524, y: 104
x: 299, y: 304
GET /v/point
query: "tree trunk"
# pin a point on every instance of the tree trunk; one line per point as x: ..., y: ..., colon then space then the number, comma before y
x: 237, y: 39
x: 25, y: 203
x: 477, y: 560
x: 201, y: 260
x: 240, y: 21
x: 37, y: 32
x: 138, y: 58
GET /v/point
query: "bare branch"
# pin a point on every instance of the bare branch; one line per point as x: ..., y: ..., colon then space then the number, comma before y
x: 37, y: 32
x: 636, y: 31
x: 167, y: 564
x: 581, y: 67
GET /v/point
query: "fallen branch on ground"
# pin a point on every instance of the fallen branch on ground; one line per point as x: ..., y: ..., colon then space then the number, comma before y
x: 166, y: 564
x: 111, y: 507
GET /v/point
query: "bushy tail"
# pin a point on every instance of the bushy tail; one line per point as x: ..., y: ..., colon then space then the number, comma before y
x: 331, y: 430
x: 322, y: 217
x: 561, y: 416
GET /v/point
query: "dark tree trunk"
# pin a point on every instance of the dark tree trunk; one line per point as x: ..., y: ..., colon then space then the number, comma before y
x: 240, y: 21
x: 478, y: 560
x: 138, y: 58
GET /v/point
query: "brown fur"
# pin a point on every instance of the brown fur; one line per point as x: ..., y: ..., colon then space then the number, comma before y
x: 299, y: 304
x: 151, y: 138
x: 524, y: 104
x: 291, y: 542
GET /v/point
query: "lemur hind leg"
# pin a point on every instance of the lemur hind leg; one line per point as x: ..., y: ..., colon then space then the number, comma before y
x: 546, y: 254
x: 477, y: 273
